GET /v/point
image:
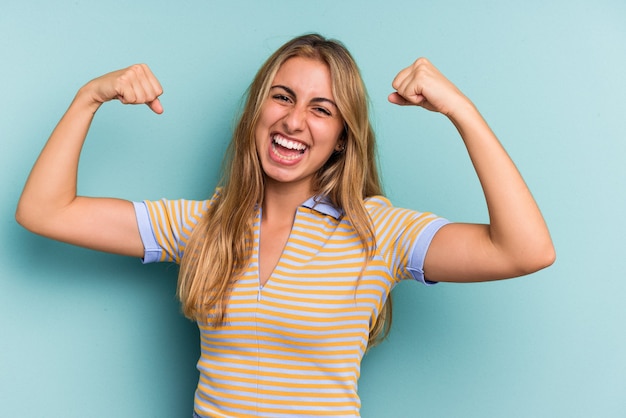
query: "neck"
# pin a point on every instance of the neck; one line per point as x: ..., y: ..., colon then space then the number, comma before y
x: 281, y: 201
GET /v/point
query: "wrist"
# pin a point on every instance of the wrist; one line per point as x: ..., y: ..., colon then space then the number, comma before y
x: 465, y: 112
x: 87, y: 99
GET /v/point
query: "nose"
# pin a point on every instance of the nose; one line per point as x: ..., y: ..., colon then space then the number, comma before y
x: 295, y: 119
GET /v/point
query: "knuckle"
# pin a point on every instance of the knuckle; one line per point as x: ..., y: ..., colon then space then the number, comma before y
x: 136, y: 67
x: 421, y: 63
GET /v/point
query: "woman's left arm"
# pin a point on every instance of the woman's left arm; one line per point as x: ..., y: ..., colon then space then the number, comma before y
x: 516, y: 241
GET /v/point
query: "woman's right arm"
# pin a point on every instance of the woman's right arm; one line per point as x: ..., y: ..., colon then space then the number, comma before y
x: 49, y: 205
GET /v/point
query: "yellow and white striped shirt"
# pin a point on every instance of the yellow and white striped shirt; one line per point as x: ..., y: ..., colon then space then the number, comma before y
x: 293, y: 347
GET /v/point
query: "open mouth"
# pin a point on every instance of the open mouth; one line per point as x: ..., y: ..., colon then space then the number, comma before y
x: 287, y: 149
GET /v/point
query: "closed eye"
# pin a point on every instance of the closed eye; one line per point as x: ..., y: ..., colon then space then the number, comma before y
x: 282, y: 98
x: 284, y: 94
x: 322, y: 111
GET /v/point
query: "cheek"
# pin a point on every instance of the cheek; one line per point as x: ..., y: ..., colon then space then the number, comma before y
x: 262, y: 125
x: 261, y: 122
x: 330, y: 132
x: 269, y: 113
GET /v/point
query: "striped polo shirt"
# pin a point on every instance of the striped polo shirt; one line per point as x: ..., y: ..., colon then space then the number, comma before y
x: 293, y: 347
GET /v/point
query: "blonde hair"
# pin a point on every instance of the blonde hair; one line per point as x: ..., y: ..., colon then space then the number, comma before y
x: 220, y: 246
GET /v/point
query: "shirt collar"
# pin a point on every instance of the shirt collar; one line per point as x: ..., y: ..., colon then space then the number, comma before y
x: 323, y: 205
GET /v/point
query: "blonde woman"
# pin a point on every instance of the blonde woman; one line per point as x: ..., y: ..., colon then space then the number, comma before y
x: 287, y: 268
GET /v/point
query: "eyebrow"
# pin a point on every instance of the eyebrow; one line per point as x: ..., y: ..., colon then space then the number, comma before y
x: 313, y: 100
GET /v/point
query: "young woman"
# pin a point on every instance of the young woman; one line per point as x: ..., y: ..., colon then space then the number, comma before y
x: 288, y: 267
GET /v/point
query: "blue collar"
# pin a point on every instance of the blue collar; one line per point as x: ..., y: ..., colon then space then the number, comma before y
x: 323, y: 205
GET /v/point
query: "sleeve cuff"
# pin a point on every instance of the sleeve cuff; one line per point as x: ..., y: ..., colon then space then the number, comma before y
x: 152, y: 250
x: 418, y: 254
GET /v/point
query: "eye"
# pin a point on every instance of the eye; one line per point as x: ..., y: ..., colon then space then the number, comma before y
x: 282, y: 98
x: 322, y: 111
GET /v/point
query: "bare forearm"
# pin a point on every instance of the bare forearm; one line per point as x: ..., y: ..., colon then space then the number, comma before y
x: 49, y: 204
x: 516, y: 240
x: 51, y: 185
x: 516, y: 227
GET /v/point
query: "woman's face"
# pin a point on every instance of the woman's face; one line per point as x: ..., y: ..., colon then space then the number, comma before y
x: 299, y: 126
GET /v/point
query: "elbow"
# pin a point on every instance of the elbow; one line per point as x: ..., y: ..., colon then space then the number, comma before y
x: 547, y: 254
x: 541, y: 257
x: 21, y: 217
x: 26, y: 217
x: 42, y: 218
x: 546, y: 259
x: 550, y: 256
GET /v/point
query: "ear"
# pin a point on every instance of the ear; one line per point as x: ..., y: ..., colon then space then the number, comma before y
x: 341, y: 142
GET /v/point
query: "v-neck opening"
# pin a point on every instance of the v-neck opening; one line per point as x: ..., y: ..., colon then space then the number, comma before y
x: 258, y: 246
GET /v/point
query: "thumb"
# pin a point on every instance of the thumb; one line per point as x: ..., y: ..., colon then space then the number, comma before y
x: 156, y: 106
x: 417, y: 100
x: 397, y: 99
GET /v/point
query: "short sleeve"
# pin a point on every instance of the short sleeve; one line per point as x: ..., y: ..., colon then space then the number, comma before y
x: 165, y: 227
x: 415, y: 265
x: 403, y: 237
x: 152, y: 251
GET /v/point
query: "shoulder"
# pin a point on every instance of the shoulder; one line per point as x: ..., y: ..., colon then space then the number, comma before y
x: 188, y: 210
x: 377, y: 202
x: 377, y: 206
x: 384, y: 214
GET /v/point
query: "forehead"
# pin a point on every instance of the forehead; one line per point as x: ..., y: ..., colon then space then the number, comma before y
x: 305, y: 76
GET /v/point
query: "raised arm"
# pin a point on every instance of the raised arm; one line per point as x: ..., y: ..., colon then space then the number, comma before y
x: 516, y: 241
x: 49, y: 205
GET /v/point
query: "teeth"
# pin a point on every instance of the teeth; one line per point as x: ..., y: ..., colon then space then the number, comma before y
x: 285, y: 157
x: 286, y: 143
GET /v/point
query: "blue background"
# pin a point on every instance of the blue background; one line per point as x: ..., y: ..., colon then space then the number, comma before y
x: 90, y: 334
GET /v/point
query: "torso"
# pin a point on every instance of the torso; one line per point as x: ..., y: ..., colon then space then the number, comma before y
x: 299, y: 316
x: 271, y: 245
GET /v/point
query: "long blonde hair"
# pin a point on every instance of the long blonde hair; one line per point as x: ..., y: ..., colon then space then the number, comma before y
x: 221, y: 244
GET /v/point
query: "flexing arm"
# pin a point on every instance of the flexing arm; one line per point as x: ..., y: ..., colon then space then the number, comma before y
x: 516, y: 241
x: 49, y: 205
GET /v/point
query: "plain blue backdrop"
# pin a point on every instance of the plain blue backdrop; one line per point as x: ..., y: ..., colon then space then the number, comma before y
x: 84, y: 334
